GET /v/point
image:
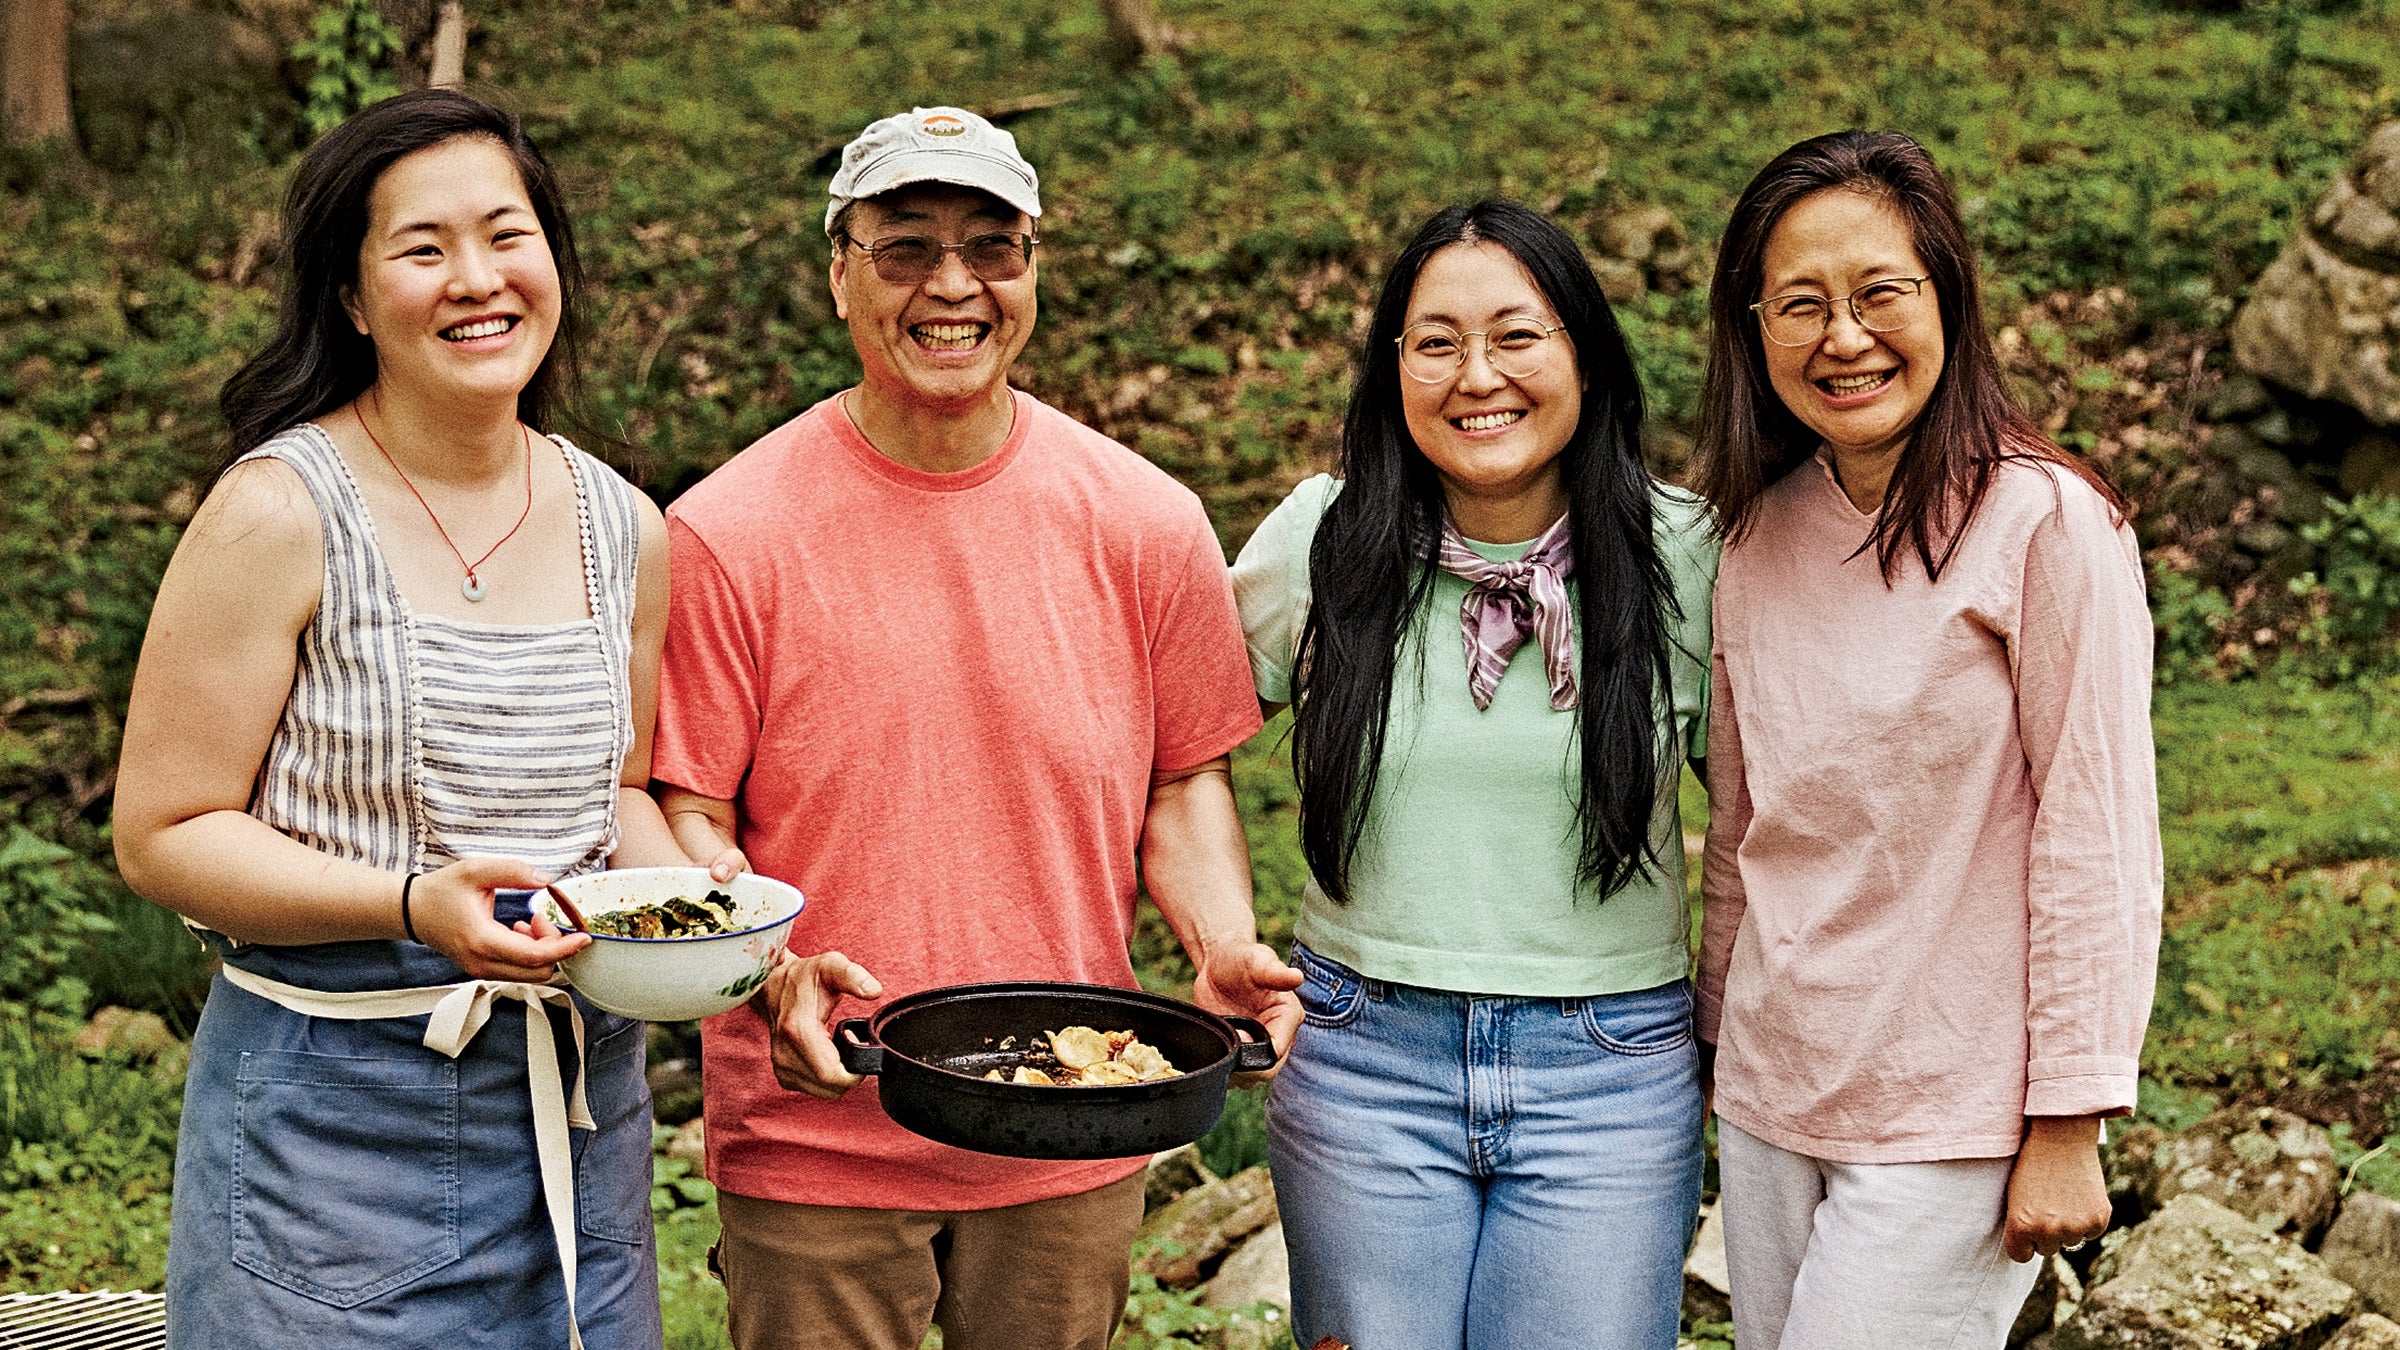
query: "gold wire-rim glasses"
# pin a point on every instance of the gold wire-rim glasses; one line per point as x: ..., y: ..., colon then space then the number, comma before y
x: 1535, y: 354
x: 1823, y: 320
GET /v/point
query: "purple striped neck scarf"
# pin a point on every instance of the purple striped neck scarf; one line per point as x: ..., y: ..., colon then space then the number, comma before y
x: 1508, y: 602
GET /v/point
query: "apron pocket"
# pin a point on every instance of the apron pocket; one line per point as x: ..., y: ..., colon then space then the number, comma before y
x: 613, y: 1167
x: 345, y: 1171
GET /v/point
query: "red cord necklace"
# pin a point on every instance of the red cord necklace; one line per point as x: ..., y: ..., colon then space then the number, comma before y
x: 472, y: 587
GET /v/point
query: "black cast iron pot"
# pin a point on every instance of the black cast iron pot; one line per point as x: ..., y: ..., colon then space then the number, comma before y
x: 931, y: 1050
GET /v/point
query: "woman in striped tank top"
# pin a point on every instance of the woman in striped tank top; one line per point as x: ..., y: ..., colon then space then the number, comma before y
x: 401, y: 669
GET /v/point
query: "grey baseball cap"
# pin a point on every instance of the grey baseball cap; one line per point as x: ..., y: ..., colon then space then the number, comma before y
x: 934, y: 145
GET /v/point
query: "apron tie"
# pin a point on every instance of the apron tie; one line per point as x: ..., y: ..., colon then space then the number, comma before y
x: 454, y: 1013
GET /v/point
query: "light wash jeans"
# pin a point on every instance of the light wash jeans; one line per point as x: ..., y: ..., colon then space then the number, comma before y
x: 1486, y: 1172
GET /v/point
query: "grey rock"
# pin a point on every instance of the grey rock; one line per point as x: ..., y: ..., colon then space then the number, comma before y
x: 1707, y: 1284
x: 1620, y: 281
x: 1196, y: 1230
x: 1172, y: 1173
x: 2056, y: 1292
x: 2372, y: 464
x: 2198, y: 1276
x: 1638, y: 232
x: 2325, y: 318
x: 122, y: 1031
x: 2242, y: 395
x: 2262, y: 537
x: 674, y: 1091
x: 2363, y: 1247
x: 2269, y: 1165
x: 2367, y: 1333
x: 2132, y: 1163
x: 1258, y: 1271
x: 690, y: 1143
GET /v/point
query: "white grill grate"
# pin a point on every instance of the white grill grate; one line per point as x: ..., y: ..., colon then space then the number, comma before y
x: 96, y: 1321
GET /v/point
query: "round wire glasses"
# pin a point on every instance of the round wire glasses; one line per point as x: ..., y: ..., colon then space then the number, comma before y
x: 1432, y: 353
x: 1800, y: 319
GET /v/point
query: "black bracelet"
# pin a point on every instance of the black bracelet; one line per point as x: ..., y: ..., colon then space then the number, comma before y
x: 405, y: 925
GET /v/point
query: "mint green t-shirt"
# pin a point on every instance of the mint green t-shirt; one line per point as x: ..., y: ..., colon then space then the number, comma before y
x: 1465, y: 876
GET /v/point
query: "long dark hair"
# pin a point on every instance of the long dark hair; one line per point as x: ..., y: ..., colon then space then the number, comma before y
x: 1749, y: 439
x: 1371, y: 568
x: 318, y: 360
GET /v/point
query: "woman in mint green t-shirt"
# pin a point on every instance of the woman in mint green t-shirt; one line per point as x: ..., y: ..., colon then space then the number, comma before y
x: 1495, y: 626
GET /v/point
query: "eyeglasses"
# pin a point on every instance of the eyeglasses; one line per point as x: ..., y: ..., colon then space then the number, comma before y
x: 1432, y: 353
x: 1883, y: 305
x: 910, y: 259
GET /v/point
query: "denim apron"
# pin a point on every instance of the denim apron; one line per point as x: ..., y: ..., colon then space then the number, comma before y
x: 322, y: 1177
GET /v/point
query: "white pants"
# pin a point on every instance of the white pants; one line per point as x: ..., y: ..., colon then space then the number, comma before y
x: 1862, y: 1256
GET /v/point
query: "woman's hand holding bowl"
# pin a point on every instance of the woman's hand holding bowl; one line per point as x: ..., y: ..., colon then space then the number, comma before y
x: 452, y: 912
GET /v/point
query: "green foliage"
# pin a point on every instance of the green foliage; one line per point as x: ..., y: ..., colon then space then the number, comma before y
x: 2259, y: 779
x: 684, y: 1206
x: 349, y: 47
x: 2354, y: 595
x: 90, y: 1161
x: 2172, y: 1108
x: 1240, y: 1139
x: 46, y: 926
x: 2374, y: 1169
x: 2269, y: 984
x: 1708, y: 1336
x: 1161, y: 1318
x: 2190, y: 619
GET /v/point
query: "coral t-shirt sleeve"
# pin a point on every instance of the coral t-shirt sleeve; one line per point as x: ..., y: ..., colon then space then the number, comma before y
x: 709, y: 696
x: 1199, y: 667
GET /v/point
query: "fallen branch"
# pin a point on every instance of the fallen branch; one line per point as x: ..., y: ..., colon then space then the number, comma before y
x: 47, y: 698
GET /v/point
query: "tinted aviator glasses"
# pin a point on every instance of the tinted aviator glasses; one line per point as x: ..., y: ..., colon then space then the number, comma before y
x: 1883, y: 305
x: 909, y: 259
x: 1431, y: 353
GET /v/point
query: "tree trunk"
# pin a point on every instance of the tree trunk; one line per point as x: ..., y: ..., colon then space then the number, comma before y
x: 1137, y: 32
x: 413, y: 20
x: 448, y: 68
x: 36, y: 106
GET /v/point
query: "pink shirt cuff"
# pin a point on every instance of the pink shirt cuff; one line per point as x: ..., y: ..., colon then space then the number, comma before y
x: 2081, y: 1094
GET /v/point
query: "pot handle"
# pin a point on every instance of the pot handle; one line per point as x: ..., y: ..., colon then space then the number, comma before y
x: 1255, y: 1055
x: 856, y: 1044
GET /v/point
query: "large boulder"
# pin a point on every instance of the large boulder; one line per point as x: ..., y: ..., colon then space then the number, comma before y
x: 2198, y: 1276
x: 2056, y: 1292
x: 1707, y: 1282
x: 2262, y: 1162
x: 2363, y: 1248
x: 1189, y: 1236
x: 1259, y: 1271
x: 2367, y: 1333
x: 1171, y: 1174
x: 2325, y: 318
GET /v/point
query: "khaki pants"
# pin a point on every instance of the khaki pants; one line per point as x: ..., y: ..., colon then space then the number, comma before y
x: 1050, y: 1275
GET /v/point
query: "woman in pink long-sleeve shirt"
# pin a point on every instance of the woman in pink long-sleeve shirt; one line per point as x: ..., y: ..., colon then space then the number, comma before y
x: 1933, y: 875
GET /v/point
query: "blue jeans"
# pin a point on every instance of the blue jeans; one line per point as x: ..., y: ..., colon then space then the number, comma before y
x: 1491, y: 1173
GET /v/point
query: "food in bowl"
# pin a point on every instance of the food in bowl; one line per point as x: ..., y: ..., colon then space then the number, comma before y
x: 681, y: 973
x: 678, y: 917
x: 1082, y: 1057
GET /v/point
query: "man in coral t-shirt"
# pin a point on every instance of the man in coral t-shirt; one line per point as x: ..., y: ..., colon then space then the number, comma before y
x: 963, y: 671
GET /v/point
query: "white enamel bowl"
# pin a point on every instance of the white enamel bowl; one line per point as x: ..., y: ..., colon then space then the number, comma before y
x: 675, y: 979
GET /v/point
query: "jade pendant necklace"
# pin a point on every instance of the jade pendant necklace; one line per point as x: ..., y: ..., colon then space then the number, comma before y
x: 472, y: 587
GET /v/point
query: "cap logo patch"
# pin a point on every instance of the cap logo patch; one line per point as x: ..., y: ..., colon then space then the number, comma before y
x: 942, y: 124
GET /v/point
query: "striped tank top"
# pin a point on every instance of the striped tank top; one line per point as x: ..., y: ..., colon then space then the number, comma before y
x: 412, y: 740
